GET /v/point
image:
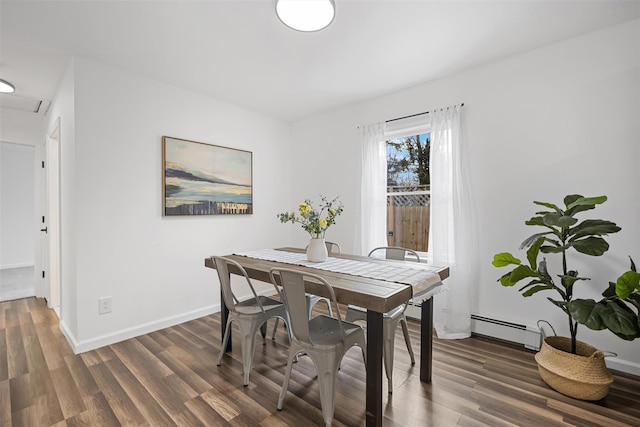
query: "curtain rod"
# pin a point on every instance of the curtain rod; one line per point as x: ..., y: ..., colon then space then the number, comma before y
x: 413, y: 115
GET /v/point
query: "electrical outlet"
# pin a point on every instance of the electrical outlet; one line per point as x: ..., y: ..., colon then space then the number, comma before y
x: 104, y: 305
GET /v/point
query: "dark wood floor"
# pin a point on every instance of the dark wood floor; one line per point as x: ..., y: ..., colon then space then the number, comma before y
x: 170, y: 378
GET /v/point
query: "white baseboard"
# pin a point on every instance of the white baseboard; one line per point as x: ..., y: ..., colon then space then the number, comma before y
x: 125, y: 334
x: 17, y: 265
x: 623, y: 365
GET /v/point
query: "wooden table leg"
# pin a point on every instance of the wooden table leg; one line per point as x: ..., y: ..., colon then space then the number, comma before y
x: 426, y: 343
x: 374, y: 368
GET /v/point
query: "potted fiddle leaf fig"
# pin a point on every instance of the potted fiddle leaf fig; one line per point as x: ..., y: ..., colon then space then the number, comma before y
x: 563, y: 234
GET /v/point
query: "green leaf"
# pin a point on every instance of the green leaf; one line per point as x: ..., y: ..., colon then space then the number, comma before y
x: 505, y: 280
x: 614, y: 316
x: 577, y: 209
x: 593, y: 227
x: 628, y: 283
x: 569, y: 280
x: 554, y: 219
x: 531, y: 283
x: 534, y: 250
x: 535, y: 289
x: 523, y: 271
x: 536, y: 220
x: 548, y: 205
x: 503, y: 259
x: 583, y: 201
x: 587, y: 312
x: 553, y: 249
x: 594, y: 246
x: 577, y: 203
x: 533, y: 239
x: 634, y: 299
x: 610, y: 291
x: 571, y: 198
x: 518, y: 273
x: 620, y: 320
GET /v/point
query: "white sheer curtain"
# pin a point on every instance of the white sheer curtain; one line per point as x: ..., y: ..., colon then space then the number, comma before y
x: 373, y: 189
x: 451, y: 234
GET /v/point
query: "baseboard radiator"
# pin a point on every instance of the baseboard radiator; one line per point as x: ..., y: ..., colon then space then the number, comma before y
x: 512, y: 332
x: 515, y: 333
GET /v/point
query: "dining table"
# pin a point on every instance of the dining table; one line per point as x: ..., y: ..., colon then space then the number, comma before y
x: 375, y: 284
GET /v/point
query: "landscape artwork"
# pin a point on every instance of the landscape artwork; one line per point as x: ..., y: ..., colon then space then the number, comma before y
x: 205, y: 179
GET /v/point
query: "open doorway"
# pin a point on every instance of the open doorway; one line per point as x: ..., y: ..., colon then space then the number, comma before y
x: 17, y: 218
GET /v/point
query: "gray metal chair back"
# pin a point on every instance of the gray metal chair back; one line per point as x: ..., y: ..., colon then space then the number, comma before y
x: 294, y: 293
x: 392, y: 318
x: 397, y: 253
x: 332, y: 249
x: 228, y: 296
x: 324, y: 339
x: 250, y: 314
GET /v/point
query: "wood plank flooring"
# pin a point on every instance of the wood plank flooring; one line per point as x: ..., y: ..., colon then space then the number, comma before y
x: 170, y: 378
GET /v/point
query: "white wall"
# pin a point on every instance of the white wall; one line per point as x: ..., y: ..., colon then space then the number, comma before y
x: 115, y: 241
x: 63, y: 108
x: 17, y: 205
x: 558, y: 120
x: 21, y: 127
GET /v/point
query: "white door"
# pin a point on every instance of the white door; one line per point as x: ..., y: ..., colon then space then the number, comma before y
x: 50, y: 230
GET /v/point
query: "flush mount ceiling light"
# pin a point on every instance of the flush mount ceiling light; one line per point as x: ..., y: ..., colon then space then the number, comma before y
x: 306, y: 15
x: 6, y: 87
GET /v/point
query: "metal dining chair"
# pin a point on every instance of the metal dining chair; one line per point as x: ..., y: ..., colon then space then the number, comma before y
x: 250, y: 314
x: 392, y: 318
x: 312, y: 300
x: 325, y: 339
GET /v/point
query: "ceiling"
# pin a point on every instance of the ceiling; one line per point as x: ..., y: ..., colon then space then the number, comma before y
x: 238, y: 51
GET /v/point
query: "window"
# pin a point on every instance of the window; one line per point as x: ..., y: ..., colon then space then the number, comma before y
x: 408, y: 191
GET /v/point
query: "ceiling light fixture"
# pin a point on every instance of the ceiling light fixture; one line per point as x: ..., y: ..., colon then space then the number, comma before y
x: 6, y: 87
x: 306, y: 15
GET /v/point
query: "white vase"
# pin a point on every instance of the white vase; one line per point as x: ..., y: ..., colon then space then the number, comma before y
x: 317, y: 250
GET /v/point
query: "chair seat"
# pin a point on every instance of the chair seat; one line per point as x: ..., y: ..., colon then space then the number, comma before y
x: 355, y: 312
x: 250, y: 306
x: 324, y: 330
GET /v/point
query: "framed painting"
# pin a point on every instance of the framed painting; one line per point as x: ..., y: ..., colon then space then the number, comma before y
x: 205, y: 179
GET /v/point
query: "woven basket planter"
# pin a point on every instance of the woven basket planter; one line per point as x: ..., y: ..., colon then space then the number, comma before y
x: 583, y: 375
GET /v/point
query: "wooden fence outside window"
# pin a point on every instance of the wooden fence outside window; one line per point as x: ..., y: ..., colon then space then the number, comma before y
x: 408, y: 216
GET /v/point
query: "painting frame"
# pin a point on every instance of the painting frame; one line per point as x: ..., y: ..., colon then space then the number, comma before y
x: 205, y: 179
